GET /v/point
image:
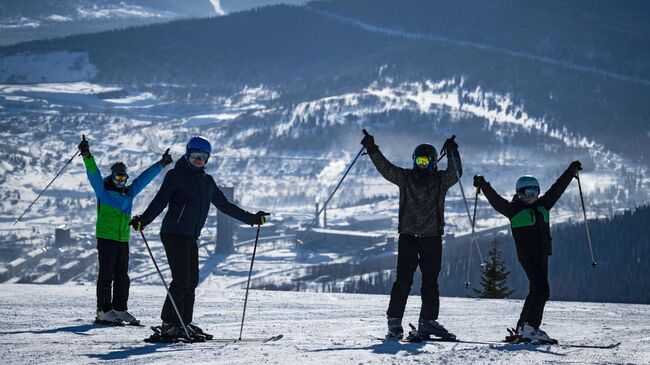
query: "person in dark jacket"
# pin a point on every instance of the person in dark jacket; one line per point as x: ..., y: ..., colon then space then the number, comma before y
x: 187, y: 192
x: 529, y: 220
x: 423, y: 189
x: 114, y: 203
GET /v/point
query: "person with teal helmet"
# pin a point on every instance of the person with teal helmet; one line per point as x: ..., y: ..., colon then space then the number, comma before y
x: 529, y: 221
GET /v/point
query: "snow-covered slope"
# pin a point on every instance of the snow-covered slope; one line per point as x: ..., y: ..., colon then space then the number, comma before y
x: 53, y: 324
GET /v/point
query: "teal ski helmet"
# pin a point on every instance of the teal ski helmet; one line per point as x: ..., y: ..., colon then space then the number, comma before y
x: 527, y: 186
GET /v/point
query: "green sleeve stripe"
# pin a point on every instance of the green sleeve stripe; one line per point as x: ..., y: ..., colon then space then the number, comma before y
x: 89, y: 161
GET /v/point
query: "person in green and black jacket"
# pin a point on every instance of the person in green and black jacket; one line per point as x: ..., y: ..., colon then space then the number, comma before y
x: 529, y: 220
x: 114, y: 203
x: 422, y: 190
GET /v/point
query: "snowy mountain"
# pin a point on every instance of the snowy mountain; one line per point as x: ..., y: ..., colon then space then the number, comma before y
x: 318, y: 328
x: 283, y: 93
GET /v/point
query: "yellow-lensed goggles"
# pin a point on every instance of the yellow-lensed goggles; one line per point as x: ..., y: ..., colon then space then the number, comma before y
x: 120, y: 178
x: 422, y: 160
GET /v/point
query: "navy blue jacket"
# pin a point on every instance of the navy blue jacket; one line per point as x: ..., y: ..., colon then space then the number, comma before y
x: 188, y: 195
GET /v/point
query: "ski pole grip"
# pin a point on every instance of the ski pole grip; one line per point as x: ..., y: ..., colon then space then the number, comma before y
x: 366, y: 132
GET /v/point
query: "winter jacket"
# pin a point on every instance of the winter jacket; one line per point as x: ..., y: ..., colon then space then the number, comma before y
x: 530, y: 222
x: 114, y: 205
x: 421, y: 194
x: 188, y: 194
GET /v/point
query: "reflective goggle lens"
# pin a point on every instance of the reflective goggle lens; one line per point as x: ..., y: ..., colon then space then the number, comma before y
x: 422, y: 161
x: 120, y: 178
x: 528, y: 192
x: 200, y: 155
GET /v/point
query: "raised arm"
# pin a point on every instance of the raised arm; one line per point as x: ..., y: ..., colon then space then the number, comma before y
x: 389, y: 171
x: 94, y: 176
x: 559, y: 186
x: 448, y: 176
x: 496, y: 201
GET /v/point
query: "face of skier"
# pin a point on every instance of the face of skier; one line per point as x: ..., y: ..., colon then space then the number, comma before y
x: 198, y: 158
x: 422, y: 162
x: 528, y: 194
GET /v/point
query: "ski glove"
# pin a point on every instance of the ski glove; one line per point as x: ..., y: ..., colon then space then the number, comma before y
x: 450, y: 145
x: 166, y: 158
x: 136, y: 223
x: 84, y: 148
x: 479, y: 181
x: 260, y: 218
x: 368, y: 142
x: 575, y: 166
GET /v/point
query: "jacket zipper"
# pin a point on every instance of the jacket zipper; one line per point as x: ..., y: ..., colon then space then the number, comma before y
x: 180, y: 215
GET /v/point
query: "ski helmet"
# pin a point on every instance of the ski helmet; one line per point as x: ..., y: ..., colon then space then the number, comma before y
x: 118, y: 174
x: 428, y: 151
x: 527, y: 186
x: 199, y: 143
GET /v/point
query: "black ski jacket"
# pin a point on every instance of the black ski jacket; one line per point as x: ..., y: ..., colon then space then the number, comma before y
x: 188, y: 195
x: 530, y: 223
x: 421, y: 194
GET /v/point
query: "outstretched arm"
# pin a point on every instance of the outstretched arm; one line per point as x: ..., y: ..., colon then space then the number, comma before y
x: 496, y: 201
x: 147, y: 176
x: 449, y: 177
x: 389, y: 171
x: 94, y: 176
x: 223, y: 204
x: 557, y: 189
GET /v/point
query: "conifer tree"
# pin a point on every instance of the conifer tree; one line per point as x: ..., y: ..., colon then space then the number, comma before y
x: 494, y: 280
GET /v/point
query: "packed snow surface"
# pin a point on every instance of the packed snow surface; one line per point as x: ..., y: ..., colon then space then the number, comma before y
x: 53, y: 324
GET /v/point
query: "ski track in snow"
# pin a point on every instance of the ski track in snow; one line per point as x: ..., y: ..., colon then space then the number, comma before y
x: 552, y: 61
x: 53, y: 324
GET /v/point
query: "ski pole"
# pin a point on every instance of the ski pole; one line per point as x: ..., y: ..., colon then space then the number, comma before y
x: 584, y: 213
x: 248, y: 284
x: 302, y: 240
x: 469, y: 258
x: 469, y: 216
x: 48, y: 185
x: 178, y: 313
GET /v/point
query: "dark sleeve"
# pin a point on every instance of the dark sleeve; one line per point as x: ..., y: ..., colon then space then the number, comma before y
x: 449, y: 177
x: 223, y: 204
x: 161, y: 199
x: 389, y: 171
x: 557, y: 189
x: 496, y: 201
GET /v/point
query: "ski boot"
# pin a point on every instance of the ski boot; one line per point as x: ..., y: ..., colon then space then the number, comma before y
x: 428, y: 328
x: 108, y: 318
x: 529, y: 333
x: 127, y: 318
x: 395, y: 330
x: 197, y: 331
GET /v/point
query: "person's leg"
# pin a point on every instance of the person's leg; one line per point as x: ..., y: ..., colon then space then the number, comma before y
x: 122, y: 281
x: 106, y: 256
x: 178, y: 257
x: 407, y: 262
x: 430, y: 262
x: 188, y: 309
x: 536, y: 269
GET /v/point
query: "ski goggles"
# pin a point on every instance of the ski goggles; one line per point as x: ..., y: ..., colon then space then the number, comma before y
x: 528, y: 192
x: 120, y: 177
x: 200, y: 155
x: 422, y: 161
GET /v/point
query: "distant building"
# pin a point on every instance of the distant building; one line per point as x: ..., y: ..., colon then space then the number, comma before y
x: 339, y: 240
x: 373, y: 222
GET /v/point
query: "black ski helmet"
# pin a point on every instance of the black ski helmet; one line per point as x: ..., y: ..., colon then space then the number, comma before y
x: 119, y: 168
x: 427, y: 150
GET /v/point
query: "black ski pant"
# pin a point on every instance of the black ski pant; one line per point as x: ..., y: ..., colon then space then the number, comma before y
x: 183, y: 257
x: 113, y: 277
x: 536, y: 268
x: 413, y: 251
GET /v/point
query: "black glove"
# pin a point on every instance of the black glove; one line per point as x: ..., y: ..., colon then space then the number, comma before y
x: 166, y: 158
x: 260, y: 218
x: 479, y: 181
x: 575, y: 166
x: 84, y: 148
x: 368, y: 142
x: 136, y: 223
x: 450, y: 145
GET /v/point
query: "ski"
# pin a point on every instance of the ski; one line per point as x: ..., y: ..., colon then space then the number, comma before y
x: 495, y: 343
x: 252, y: 339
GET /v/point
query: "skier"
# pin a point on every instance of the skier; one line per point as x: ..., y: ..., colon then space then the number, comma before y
x: 529, y: 220
x: 187, y: 191
x: 423, y: 189
x: 114, y: 203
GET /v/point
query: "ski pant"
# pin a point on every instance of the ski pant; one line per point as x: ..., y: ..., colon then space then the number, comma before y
x: 183, y: 257
x: 536, y: 268
x: 427, y: 253
x: 113, y: 277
